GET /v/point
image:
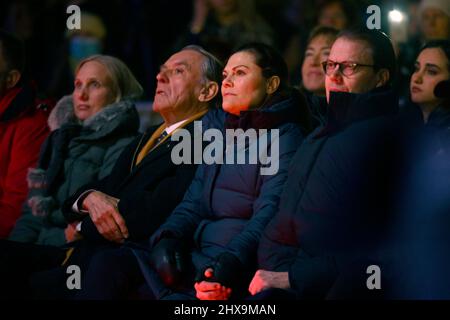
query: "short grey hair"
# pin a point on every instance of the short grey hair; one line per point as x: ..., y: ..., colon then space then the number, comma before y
x: 124, y: 83
x: 212, y: 69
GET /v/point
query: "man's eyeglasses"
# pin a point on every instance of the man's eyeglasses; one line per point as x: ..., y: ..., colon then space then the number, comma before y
x: 345, y: 68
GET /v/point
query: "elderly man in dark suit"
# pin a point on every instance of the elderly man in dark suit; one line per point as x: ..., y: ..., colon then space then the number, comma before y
x: 145, y: 184
x: 143, y: 188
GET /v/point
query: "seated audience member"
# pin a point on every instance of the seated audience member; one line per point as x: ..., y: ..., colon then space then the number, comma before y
x: 207, y: 247
x: 144, y: 186
x: 431, y: 68
x: 428, y: 106
x: 336, y: 202
x: 421, y: 260
x: 432, y: 18
x: 313, y: 77
x: 23, y: 128
x: 90, y: 130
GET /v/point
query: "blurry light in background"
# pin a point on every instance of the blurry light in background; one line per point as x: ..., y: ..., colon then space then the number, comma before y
x: 396, y: 16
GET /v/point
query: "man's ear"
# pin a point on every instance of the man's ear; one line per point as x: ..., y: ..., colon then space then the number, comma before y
x: 272, y: 84
x: 209, y: 91
x: 12, y: 78
x: 382, y: 77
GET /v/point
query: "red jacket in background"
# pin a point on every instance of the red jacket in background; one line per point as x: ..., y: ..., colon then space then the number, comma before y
x: 23, y: 128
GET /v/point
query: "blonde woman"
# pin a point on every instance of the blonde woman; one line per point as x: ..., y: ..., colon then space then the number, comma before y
x: 90, y: 128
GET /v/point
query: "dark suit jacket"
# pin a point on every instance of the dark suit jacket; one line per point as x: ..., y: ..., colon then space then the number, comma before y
x: 148, y: 192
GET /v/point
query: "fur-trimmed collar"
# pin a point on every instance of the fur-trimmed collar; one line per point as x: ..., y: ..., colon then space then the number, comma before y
x: 63, y: 113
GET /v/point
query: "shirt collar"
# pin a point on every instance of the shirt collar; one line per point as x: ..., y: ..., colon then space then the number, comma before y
x: 171, y: 128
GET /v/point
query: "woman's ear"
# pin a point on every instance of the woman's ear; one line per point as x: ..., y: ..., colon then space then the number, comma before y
x: 272, y: 84
x: 12, y: 78
x: 209, y: 91
x: 382, y: 77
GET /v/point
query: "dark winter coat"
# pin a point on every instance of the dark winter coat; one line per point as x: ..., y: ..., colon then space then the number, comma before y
x: 227, y: 206
x: 148, y: 192
x: 337, y: 198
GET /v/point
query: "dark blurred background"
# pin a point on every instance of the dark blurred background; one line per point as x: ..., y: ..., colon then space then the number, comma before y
x: 144, y: 33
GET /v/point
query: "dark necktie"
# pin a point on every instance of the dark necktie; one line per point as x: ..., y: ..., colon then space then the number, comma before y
x: 160, y: 138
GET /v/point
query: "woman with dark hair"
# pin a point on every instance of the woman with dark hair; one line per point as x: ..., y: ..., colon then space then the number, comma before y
x: 428, y: 108
x: 317, y: 50
x: 207, y: 246
x: 421, y: 261
x: 429, y: 91
x: 432, y: 66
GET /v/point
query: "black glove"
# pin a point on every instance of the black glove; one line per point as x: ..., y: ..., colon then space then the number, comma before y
x: 227, y: 270
x: 170, y: 258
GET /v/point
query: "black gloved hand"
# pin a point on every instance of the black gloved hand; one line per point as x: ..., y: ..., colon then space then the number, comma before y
x: 227, y: 270
x: 170, y: 258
